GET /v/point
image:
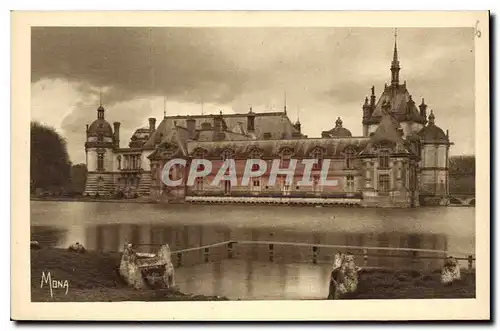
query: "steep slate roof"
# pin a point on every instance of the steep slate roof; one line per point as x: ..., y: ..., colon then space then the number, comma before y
x: 402, y: 105
x: 275, y: 123
x: 333, y: 147
x: 387, y: 130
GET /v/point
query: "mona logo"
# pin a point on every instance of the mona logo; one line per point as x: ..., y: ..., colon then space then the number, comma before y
x: 53, y: 284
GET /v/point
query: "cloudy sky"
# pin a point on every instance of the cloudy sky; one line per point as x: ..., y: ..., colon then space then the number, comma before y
x: 326, y: 73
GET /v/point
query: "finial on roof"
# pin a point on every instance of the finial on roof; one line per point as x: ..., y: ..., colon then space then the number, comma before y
x: 395, y: 62
x: 423, y: 103
x: 338, y: 123
x: 373, y: 90
x: 411, y: 100
x: 165, y: 106
x: 100, y: 97
x: 220, y: 112
x: 284, y: 107
x: 431, y: 118
x: 366, y: 101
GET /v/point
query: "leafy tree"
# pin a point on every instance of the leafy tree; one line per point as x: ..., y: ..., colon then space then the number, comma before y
x: 50, y: 165
x: 462, y: 171
x: 78, y: 177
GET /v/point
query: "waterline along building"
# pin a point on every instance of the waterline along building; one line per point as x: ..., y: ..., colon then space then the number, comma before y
x: 401, y: 160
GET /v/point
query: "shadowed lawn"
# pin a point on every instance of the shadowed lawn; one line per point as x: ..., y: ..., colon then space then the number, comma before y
x: 411, y: 284
x: 93, y: 277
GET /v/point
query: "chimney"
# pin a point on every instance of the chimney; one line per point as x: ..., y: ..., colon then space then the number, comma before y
x: 116, y: 134
x: 218, y: 123
x: 191, y: 127
x: 152, y: 124
x: 251, y: 121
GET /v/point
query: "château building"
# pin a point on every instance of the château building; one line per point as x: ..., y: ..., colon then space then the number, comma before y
x: 401, y: 160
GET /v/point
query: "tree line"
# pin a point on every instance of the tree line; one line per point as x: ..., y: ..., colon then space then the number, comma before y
x: 50, y: 167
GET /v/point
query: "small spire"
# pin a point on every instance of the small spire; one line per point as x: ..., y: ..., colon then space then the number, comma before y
x: 220, y: 112
x: 298, y: 114
x: 100, y: 97
x: 395, y: 62
x: 423, y: 103
x: 431, y: 118
x: 366, y: 101
x: 338, y: 123
x: 285, y: 103
x: 373, y: 90
x: 165, y: 106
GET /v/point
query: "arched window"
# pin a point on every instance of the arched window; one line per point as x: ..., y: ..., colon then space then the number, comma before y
x: 227, y: 154
x: 317, y: 154
x: 255, y: 154
x: 100, y: 137
x: 286, y: 155
x: 119, y: 159
x: 100, y: 161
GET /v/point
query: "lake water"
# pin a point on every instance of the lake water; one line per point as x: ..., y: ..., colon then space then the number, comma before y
x: 257, y: 271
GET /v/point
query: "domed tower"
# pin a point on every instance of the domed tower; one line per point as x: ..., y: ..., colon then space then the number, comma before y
x: 434, y: 185
x: 337, y: 132
x: 99, y: 155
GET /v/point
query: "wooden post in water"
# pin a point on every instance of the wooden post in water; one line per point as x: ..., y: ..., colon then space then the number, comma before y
x: 469, y: 260
x: 414, y: 259
x: 315, y: 254
x: 206, y: 254
x: 179, y: 259
x: 230, y: 250
x: 365, y: 257
x: 271, y: 253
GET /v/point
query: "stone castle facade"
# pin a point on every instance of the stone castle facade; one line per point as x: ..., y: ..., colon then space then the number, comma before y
x: 401, y: 160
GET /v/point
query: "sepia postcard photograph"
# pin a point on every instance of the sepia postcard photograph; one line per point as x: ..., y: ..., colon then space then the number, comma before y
x: 253, y: 165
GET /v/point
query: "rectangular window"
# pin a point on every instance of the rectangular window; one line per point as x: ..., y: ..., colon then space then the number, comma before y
x: 383, y: 183
x: 227, y: 187
x: 199, y: 184
x: 256, y: 185
x: 316, y: 186
x: 383, y: 159
x: 350, y: 183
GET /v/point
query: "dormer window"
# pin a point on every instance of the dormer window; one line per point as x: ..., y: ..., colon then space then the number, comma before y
x: 383, y: 159
x: 286, y: 155
x: 227, y: 154
x: 350, y: 157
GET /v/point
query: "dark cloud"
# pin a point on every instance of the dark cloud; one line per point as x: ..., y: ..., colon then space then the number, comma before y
x: 321, y: 69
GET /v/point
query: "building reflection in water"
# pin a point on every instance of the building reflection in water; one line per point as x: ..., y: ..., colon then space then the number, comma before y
x: 255, y: 271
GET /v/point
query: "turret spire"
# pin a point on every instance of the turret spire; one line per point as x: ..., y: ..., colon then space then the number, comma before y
x: 395, y: 62
x: 285, y: 103
x: 164, y: 106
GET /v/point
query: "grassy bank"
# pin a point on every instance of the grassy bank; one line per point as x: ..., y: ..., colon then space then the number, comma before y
x: 92, y: 277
